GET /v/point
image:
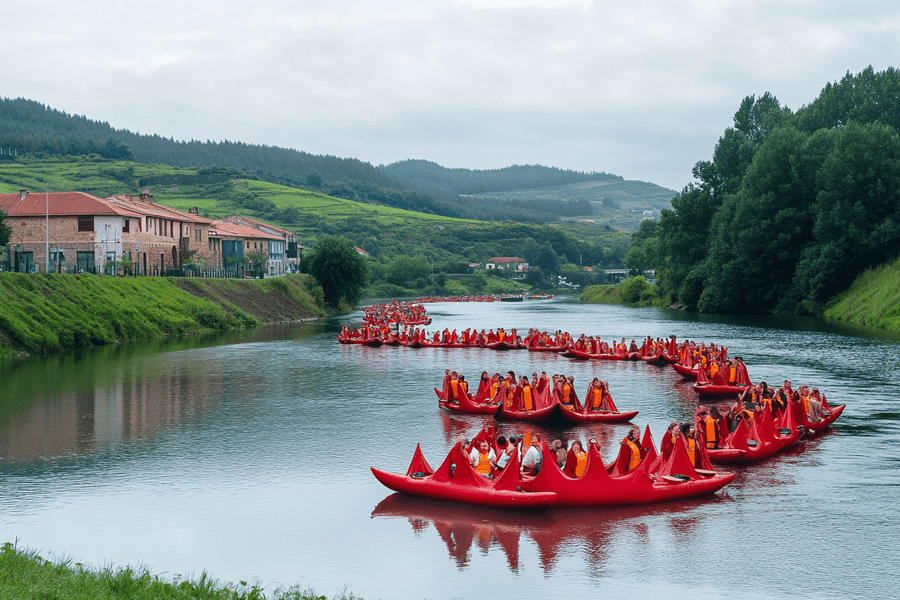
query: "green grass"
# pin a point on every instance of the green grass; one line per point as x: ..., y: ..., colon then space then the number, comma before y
x: 47, y: 313
x: 634, y: 290
x: 26, y: 575
x: 872, y: 299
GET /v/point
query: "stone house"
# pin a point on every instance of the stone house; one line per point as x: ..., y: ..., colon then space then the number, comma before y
x: 76, y: 232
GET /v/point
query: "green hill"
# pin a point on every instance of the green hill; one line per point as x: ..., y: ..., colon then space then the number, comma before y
x: 380, y: 230
x: 28, y: 128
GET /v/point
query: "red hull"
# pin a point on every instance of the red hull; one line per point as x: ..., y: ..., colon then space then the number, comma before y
x: 538, y: 415
x: 598, y: 488
x: 580, y: 417
x: 686, y: 372
x: 711, y: 390
x: 762, y: 438
x: 546, y: 348
x: 456, y: 481
x: 814, y: 427
x: 465, y: 406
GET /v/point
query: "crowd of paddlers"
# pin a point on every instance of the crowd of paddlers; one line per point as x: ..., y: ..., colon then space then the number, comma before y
x: 479, y: 298
x: 745, y: 423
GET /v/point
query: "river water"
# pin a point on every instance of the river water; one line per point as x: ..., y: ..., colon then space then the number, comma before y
x: 247, y: 455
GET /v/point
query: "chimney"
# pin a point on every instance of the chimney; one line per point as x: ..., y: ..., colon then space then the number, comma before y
x: 194, y: 210
x: 22, y: 193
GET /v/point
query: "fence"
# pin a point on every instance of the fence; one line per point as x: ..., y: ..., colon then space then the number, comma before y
x: 190, y: 271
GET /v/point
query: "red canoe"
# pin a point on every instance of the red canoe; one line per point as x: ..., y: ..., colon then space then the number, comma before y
x: 465, y: 405
x: 672, y: 479
x: 686, y: 372
x: 573, y: 415
x: 814, y: 427
x: 757, y: 439
x: 540, y: 415
x: 456, y: 481
x: 713, y: 390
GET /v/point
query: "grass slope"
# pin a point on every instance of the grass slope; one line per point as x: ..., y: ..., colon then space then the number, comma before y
x: 872, y: 299
x: 46, y: 313
x: 25, y: 574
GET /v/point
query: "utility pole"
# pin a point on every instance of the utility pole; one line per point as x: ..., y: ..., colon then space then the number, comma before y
x: 46, y: 229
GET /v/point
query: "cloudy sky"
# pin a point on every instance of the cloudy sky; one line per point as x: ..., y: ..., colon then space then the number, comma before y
x: 640, y: 88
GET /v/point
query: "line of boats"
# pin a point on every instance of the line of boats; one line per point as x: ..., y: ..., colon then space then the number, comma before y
x: 538, y: 402
x: 758, y: 425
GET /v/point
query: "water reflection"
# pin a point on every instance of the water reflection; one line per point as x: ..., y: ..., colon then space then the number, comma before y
x: 102, y: 396
x: 591, y: 534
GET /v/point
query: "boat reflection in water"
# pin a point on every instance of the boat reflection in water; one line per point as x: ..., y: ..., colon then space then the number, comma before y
x: 555, y: 533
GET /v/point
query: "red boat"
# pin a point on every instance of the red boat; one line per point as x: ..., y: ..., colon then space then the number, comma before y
x: 540, y: 414
x: 712, y: 390
x: 607, y: 411
x: 456, y: 480
x: 574, y: 415
x: 656, y: 479
x: 757, y: 438
x: 538, y: 348
x: 465, y: 405
x: 814, y: 427
x: 362, y: 341
x: 503, y: 345
x: 687, y: 372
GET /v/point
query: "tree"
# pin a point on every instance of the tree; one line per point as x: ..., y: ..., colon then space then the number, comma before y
x: 5, y: 231
x: 339, y: 269
x: 642, y: 254
x: 404, y: 270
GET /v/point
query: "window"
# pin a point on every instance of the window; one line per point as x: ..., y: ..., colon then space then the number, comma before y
x: 86, y: 223
x: 127, y: 227
x: 197, y: 236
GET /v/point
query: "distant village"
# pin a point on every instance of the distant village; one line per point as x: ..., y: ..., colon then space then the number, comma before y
x: 132, y: 234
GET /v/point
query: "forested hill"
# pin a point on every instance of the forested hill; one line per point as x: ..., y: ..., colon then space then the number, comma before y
x: 28, y: 127
x: 31, y: 128
x: 793, y: 206
x: 429, y: 176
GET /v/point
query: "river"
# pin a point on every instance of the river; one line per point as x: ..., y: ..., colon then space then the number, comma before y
x: 247, y: 455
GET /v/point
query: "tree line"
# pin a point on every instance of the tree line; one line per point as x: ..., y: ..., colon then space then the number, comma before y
x: 792, y: 207
x: 31, y: 128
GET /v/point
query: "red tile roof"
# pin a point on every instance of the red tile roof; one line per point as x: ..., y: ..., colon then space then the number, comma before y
x: 221, y: 229
x: 35, y: 204
x: 151, y: 209
x: 253, y: 223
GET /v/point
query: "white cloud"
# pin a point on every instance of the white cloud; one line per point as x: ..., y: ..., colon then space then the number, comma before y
x: 640, y: 88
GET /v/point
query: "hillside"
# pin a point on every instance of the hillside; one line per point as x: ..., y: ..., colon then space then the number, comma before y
x: 873, y: 299
x: 380, y: 230
x: 613, y: 202
x: 48, y: 313
x: 32, y: 129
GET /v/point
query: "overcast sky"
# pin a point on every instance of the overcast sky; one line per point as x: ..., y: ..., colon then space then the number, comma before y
x: 640, y: 88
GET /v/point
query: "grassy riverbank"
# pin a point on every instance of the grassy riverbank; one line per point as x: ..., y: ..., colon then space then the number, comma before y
x: 873, y: 299
x: 47, y: 313
x: 25, y: 574
x: 635, y: 291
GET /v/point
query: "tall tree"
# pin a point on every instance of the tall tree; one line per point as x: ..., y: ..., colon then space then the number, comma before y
x: 340, y: 270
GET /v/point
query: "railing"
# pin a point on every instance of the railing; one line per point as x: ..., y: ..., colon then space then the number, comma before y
x: 71, y: 268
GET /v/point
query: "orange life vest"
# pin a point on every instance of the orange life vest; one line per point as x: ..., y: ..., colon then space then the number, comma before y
x: 711, y: 432
x: 635, y: 455
x: 580, y: 463
x: 484, y: 466
x: 692, y: 450
x: 526, y: 398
